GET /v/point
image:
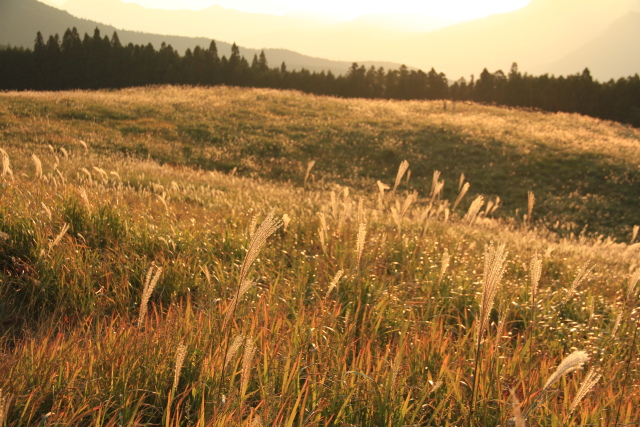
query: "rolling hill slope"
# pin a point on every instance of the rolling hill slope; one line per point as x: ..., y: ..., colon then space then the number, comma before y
x: 584, y: 172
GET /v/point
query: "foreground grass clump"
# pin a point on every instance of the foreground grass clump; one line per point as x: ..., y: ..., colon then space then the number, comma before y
x: 143, y: 290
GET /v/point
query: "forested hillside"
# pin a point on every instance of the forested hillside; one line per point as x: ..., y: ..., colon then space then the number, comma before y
x: 92, y: 62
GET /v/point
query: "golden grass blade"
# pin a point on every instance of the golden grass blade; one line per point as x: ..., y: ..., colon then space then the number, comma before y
x: 38, y: 166
x: 334, y: 283
x: 588, y: 383
x: 362, y: 233
x: 150, y: 283
x: 570, y: 363
x: 463, y: 191
x: 494, y: 259
x: 308, y: 171
x: 535, y: 272
x: 247, y: 358
x: 404, y: 165
x: 181, y: 352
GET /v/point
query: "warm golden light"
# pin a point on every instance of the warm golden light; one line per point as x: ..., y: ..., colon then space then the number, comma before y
x: 453, y: 10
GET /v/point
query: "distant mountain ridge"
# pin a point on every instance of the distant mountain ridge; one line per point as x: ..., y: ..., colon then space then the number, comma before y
x: 536, y: 36
x: 20, y: 20
x: 609, y: 55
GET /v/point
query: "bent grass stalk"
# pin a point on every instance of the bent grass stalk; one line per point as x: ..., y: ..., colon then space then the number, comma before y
x: 572, y: 362
x: 402, y: 169
x: 494, y: 259
x: 258, y: 239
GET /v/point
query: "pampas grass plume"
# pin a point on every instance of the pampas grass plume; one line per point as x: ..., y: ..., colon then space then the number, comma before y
x: 494, y: 259
x: 590, y: 380
x: 38, y: 166
x: 150, y: 283
x: 570, y: 363
x: 402, y: 169
x: 181, y: 352
x: 362, y: 233
x: 247, y: 358
x: 535, y: 271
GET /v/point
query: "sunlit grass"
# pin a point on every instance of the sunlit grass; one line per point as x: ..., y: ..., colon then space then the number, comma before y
x: 365, y: 309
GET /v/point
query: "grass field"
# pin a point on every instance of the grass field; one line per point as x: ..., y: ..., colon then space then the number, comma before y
x: 224, y: 256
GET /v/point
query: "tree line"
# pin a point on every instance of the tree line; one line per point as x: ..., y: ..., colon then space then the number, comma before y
x: 94, y: 62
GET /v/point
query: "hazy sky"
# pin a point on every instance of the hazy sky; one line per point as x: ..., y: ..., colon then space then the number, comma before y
x: 454, y: 10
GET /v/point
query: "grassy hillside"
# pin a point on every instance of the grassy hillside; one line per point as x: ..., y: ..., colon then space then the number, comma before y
x: 165, y: 258
x: 583, y: 172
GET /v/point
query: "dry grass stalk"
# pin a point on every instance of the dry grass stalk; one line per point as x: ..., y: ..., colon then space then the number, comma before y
x: 84, y: 145
x: 583, y: 273
x: 59, y: 237
x: 5, y: 401
x: 444, y: 264
x: 150, y: 283
x: 402, y: 169
x: 461, y: 182
x: 411, y: 197
x: 247, y: 358
x: 47, y: 211
x: 246, y: 285
x: 85, y: 197
x: 590, y: 380
x: 252, y: 225
x: 38, y: 166
x: 634, y: 234
x: 105, y: 176
x: 308, y: 171
x: 463, y: 191
x: 517, y: 413
x: 322, y: 232
x: 633, y: 281
x: 535, y: 272
x: 494, y: 259
x: 474, y: 209
x: 395, y: 368
x: 616, y: 325
x: 233, y: 349
x: 382, y: 187
x: 531, y: 199
x: 334, y: 283
x: 362, y: 233
x: 6, y: 165
x: 88, y: 174
x: 572, y: 362
x: 286, y: 219
x: 180, y: 355
x: 436, y: 386
x: 258, y: 240
x: 435, y: 184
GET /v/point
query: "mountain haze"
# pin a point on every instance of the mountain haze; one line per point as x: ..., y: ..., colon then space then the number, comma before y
x: 20, y: 20
x: 610, y: 55
x: 343, y: 41
x: 540, y: 34
x: 534, y: 36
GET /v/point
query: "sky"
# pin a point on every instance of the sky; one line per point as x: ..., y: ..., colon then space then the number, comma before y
x: 451, y: 10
